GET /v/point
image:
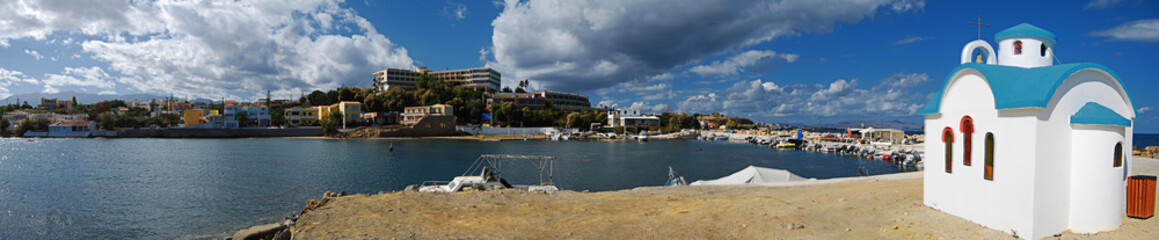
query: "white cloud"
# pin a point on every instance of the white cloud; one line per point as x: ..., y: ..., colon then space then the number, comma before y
x: 9, y: 77
x: 80, y: 77
x: 34, y: 54
x: 646, y: 108
x: 210, y: 50
x: 455, y: 11
x: 1146, y: 30
x: 1143, y: 110
x: 912, y: 39
x: 585, y: 45
x: 765, y: 98
x: 746, y: 59
x: 1102, y: 4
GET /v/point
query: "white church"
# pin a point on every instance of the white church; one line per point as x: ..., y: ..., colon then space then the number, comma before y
x: 1019, y: 144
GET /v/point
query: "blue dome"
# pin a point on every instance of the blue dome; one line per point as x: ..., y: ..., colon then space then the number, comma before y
x: 1025, y: 30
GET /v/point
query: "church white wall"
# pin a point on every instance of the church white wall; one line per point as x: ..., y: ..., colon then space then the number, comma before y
x: 1094, y: 206
x: 968, y: 52
x: 1006, y: 202
x: 1058, y: 143
x: 1031, y: 53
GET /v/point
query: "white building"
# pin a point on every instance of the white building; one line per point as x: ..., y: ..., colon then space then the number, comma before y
x: 481, y: 79
x: 631, y: 117
x: 1020, y: 145
x: 72, y: 129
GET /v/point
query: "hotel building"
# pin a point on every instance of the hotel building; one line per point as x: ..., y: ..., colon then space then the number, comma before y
x: 538, y: 100
x: 481, y: 79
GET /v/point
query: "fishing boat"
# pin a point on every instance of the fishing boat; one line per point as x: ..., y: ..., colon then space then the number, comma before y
x: 785, y: 145
x: 490, y: 177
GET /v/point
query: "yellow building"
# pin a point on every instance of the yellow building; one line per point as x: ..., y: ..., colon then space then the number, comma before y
x: 412, y: 115
x: 194, y: 117
x: 301, y: 116
x: 351, y: 111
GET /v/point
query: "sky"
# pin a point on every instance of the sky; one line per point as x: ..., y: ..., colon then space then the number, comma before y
x: 804, y: 61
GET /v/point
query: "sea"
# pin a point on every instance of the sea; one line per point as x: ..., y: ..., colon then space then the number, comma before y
x: 209, y: 188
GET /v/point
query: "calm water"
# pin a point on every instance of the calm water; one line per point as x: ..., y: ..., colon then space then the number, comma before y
x: 208, y: 188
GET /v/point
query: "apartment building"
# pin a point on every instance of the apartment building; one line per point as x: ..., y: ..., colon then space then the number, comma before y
x: 538, y: 100
x: 482, y: 79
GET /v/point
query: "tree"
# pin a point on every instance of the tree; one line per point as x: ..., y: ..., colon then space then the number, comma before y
x: 4, y: 124
x: 574, y: 120
x: 277, y: 118
x: 522, y: 88
x: 330, y: 123
x: 25, y: 106
x: 347, y: 94
x: 505, y: 90
x: 243, y: 119
x: 318, y: 98
x: 74, y: 103
x: 107, y: 121
x: 39, y: 124
x: 397, y: 99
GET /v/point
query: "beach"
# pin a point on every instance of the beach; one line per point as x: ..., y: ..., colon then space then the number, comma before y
x: 878, y: 207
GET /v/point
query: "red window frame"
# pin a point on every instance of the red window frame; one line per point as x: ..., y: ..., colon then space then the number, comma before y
x: 948, y: 138
x: 967, y: 127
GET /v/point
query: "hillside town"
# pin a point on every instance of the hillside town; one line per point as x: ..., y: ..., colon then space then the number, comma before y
x: 399, y: 98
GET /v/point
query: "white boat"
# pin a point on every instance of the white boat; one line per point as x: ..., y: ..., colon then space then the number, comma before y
x: 490, y: 176
x: 753, y: 174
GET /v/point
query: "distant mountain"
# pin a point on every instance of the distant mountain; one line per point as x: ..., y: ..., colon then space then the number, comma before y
x: 82, y: 98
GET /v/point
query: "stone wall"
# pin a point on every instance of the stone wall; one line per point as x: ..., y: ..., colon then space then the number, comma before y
x: 220, y: 133
x: 429, y: 126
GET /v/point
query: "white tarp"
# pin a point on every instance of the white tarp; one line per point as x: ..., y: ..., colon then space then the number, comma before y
x: 752, y: 174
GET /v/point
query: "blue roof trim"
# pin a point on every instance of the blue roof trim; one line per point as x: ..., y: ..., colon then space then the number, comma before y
x: 1027, y: 31
x: 1095, y: 114
x: 1016, y: 87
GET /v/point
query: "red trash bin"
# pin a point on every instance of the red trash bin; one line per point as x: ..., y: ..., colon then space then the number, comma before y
x: 1141, y: 196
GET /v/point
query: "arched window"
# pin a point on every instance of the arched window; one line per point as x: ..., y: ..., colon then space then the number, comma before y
x: 1119, y: 154
x: 989, y: 175
x: 1043, y: 51
x: 948, y: 138
x: 967, y: 127
x: 1017, y: 47
x: 980, y: 55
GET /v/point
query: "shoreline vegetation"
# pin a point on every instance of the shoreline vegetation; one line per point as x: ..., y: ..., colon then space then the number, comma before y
x: 882, y: 206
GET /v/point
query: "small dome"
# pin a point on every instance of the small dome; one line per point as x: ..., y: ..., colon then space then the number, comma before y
x: 1025, y: 30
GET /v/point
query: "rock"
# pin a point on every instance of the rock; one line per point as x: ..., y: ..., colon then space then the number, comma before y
x: 412, y: 187
x: 259, y: 232
x: 794, y: 226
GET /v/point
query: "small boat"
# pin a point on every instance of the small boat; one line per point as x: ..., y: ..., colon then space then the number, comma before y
x: 674, y: 179
x: 490, y: 177
x: 786, y: 145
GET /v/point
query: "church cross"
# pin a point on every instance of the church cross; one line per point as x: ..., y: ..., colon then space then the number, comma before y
x: 980, y: 25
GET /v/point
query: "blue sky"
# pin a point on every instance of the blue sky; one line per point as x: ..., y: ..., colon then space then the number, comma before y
x: 772, y: 61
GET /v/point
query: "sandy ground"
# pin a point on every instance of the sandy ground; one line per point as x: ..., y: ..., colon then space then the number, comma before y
x: 880, y: 207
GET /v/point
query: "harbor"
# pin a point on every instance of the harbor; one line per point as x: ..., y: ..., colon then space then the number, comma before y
x: 211, y: 188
